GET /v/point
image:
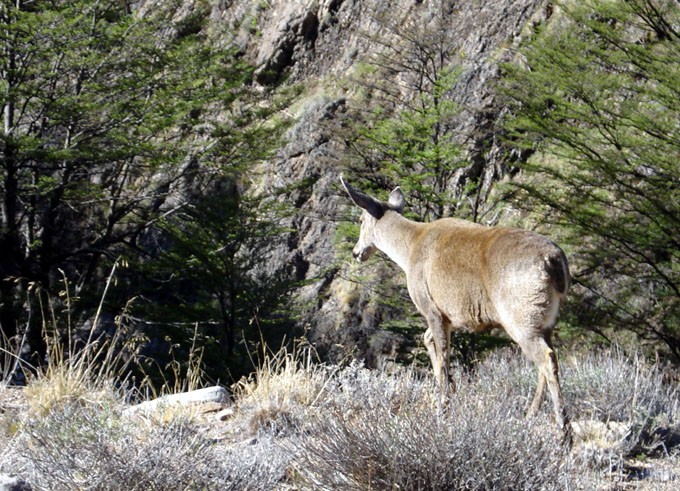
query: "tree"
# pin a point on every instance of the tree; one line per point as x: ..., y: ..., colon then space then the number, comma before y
x: 109, y: 118
x: 214, y: 275
x: 412, y: 146
x: 403, y: 132
x: 596, y: 97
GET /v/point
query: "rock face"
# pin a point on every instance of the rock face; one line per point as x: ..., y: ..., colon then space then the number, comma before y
x: 316, y: 43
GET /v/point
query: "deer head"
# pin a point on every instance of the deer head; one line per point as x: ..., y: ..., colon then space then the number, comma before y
x: 374, y: 210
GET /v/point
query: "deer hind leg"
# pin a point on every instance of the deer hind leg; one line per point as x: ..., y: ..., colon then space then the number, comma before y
x: 429, y: 344
x: 556, y: 395
x: 538, y: 395
x: 539, y: 350
x: 437, y: 341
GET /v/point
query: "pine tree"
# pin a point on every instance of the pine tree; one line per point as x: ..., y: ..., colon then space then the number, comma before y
x: 414, y: 147
x: 401, y: 126
x: 214, y: 276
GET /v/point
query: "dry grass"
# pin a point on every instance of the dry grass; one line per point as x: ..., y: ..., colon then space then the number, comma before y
x: 283, y: 390
x: 298, y: 424
x: 94, y: 447
x: 388, y: 432
x: 285, y: 377
x: 77, y: 377
x: 354, y: 428
x: 91, y: 369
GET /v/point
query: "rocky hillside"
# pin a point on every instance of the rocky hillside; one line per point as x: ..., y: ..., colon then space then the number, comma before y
x: 319, y: 44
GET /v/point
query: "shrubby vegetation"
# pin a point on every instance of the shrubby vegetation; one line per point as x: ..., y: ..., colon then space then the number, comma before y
x: 106, y: 451
x: 389, y: 432
x: 300, y: 424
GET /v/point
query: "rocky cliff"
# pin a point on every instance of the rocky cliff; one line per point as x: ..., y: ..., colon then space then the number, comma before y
x: 319, y: 43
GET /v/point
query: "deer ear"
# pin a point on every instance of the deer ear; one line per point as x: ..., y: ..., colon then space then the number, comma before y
x: 374, y: 207
x: 397, y: 200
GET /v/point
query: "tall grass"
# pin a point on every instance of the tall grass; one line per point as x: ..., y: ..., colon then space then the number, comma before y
x: 301, y: 424
x: 283, y: 391
x: 74, y: 434
x: 94, y: 368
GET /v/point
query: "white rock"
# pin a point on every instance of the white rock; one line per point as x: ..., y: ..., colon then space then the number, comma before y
x: 208, y: 394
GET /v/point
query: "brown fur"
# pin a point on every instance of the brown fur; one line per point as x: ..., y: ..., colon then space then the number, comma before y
x: 462, y: 275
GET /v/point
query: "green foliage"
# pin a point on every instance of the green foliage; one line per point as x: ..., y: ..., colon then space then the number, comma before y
x: 118, y: 124
x: 596, y: 98
x: 214, y: 273
x: 402, y: 132
x: 414, y: 148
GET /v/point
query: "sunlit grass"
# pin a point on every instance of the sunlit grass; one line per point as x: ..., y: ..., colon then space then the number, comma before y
x: 300, y: 424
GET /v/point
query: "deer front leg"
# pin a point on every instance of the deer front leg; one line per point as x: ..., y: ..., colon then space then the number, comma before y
x: 436, y: 337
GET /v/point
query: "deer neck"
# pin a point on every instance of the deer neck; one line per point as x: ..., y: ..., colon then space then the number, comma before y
x: 395, y: 237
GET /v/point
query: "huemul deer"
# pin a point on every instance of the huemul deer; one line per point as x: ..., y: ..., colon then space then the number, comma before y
x: 462, y: 275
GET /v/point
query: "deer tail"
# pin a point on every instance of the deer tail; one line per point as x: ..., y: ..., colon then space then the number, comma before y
x: 558, y: 269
